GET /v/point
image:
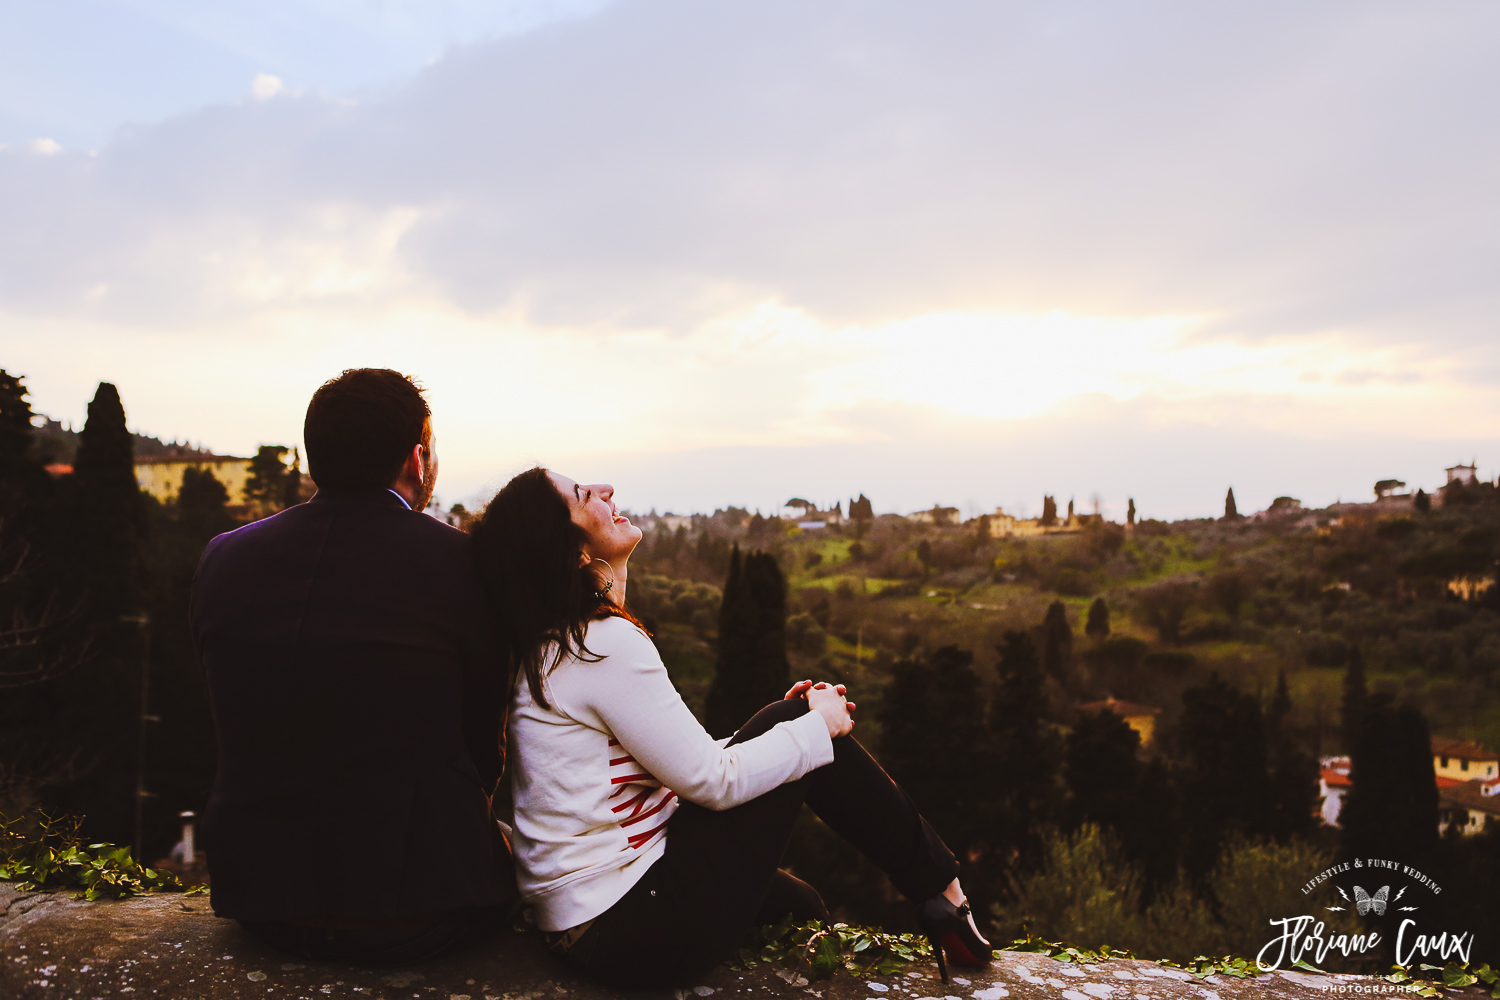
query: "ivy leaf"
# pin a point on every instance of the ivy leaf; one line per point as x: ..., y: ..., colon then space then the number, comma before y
x: 1455, y: 975
x: 826, y: 958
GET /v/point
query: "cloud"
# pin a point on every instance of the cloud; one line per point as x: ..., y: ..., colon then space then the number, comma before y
x: 787, y: 229
x: 1277, y: 169
x: 265, y: 86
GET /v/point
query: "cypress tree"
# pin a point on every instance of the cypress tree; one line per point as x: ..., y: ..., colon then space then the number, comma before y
x: 721, y: 710
x: 1422, y: 501
x: 1111, y: 786
x: 1022, y: 755
x: 1049, y: 512
x: 1226, y: 787
x: 1070, y: 510
x: 108, y: 513
x: 1130, y: 513
x: 752, y: 668
x: 767, y: 587
x: 15, y: 436
x: 1231, y: 512
x: 1392, y: 807
x: 1353, y: 704
x: 1294, y: 772
x: 25, y: 489
x: 1098, y: 621
x: 1157, y: 828
x: 931, y: 720
x: 1057, y: 641
x: 1102, y: 772
x: 25, y: 540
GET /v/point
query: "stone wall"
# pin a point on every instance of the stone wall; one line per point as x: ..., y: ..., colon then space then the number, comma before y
x: 170, y: 946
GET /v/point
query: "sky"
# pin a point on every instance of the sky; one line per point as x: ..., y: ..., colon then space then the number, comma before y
x: 956, y: 252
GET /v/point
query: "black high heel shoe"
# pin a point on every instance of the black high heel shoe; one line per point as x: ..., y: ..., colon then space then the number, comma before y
x: 948, y: 929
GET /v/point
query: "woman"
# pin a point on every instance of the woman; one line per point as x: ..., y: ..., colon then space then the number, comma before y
x: 645, y: 847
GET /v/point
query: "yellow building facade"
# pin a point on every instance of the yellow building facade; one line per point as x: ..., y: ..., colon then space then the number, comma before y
x: 1464, y: 761
x: 162, y: 477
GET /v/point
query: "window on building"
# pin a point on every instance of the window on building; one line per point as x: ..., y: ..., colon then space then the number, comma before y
x: 1444, y: 762
x: 1463, y: 765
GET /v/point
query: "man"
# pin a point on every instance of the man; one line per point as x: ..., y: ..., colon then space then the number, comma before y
x: 357, y: 701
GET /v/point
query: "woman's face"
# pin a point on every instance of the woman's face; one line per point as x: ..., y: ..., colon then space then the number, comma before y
x: 611, y: 536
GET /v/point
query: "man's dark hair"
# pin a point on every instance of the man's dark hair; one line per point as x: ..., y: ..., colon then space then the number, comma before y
x: 361, y: 426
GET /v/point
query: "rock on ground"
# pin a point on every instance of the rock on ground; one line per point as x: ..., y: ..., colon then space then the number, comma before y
x: 171, y: 946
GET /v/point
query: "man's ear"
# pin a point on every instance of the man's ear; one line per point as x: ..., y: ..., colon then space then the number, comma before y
x: 416, y: 466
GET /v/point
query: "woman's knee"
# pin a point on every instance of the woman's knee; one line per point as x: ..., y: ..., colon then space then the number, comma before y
x: 769, y: 717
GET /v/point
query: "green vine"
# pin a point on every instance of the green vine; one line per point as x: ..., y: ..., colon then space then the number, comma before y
x: 1453, y: 976
x: 816, y: 951
x: 1200, y: 967
x: 55, y: 857
x: 825, y: 948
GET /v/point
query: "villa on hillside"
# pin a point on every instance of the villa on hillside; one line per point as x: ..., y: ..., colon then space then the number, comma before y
x: 1387, y: 503
x: 810, y: 518
x: 938, y: 515
x: 1333, y: 785
x: 162, y: 476
x: 1467, y: 777
x: 1003, y: 525
x: 1455, y: 761
x: 1462, y: 474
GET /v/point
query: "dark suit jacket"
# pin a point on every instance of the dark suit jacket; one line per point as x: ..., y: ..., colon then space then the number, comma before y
x: 359, y: 713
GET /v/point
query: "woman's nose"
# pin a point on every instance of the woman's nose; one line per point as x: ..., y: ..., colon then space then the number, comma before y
x: 605, y: 490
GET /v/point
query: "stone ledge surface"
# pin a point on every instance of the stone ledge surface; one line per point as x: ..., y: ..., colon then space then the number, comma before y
x: 169, y: 946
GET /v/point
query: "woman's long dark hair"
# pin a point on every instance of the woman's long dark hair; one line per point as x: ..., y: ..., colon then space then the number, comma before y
x: 541, y: 599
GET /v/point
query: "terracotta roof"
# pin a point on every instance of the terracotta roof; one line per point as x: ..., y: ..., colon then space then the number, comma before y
x: 1336, y: 779
x: 1124, y: 709
x: 1470, y: 795
x: 1462, y: 749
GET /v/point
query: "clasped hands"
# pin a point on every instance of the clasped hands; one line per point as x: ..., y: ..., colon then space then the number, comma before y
x: 828, y: 701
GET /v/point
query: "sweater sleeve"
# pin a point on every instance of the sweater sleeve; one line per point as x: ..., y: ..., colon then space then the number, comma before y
x: 628, y: 694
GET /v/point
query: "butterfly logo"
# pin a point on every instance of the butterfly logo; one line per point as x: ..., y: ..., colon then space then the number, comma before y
x: 1364, y: 902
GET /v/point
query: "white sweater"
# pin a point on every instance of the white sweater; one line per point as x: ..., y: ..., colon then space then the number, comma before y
x: 597, y: 775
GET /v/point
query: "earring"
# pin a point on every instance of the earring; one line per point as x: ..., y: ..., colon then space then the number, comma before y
x: 610, y: 585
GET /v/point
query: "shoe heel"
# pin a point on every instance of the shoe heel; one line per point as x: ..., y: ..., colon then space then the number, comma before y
x: 955, y: 946
x: 937, y: 951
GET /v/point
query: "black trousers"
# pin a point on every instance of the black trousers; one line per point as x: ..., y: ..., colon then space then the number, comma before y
x: 719, y: 872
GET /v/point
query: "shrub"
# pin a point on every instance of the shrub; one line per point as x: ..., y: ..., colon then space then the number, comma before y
x: 1090, y: 895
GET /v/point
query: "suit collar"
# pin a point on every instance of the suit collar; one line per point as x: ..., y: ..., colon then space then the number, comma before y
x: 378, y: 495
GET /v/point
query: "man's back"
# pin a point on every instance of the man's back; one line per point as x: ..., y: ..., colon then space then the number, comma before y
x: 359, y: 710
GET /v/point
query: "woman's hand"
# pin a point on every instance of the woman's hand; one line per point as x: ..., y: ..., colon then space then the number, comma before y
x: 829, y: 702
x: 799, y: 690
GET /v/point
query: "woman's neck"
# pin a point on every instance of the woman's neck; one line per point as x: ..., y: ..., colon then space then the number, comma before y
x: 617, y: 592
